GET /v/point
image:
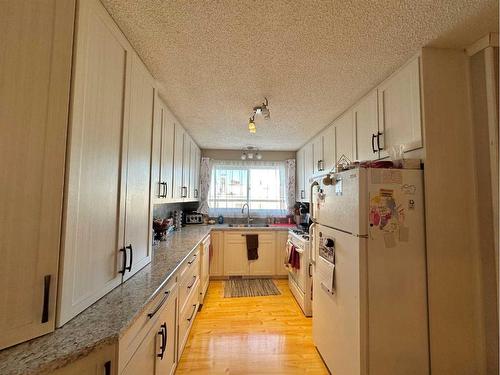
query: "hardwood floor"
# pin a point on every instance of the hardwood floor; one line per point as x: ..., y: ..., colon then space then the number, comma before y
x: 254, y: 335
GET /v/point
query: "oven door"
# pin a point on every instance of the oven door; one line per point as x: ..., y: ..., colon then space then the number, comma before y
x: 298, y: 275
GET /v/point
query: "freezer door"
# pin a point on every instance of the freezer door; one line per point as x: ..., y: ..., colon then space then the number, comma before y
x: 338, y: 327
x: 398, y: 331
x: 339, y: 205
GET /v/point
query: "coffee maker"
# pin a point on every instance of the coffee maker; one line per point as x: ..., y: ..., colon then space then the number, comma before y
x: 302, y: 216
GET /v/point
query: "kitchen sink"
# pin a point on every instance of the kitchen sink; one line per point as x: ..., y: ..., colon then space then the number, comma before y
x: 248, y: 225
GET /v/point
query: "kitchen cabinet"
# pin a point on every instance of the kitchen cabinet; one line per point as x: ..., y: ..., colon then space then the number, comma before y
x: 329, y: 148
x: 194, y: 166
x: 235, y: 254
x: 163, y: 153
x: 281, y: 251
x: 300, y: 179
x: 399, y: 109
x: 265, y: 265
x: 204, y: 268
x: 36, y: 42
x: 318, y: 159
x: 177, y: 193
x: 308, y: 169
x: 149, y: 345
x: 106, y: 226
x: 186, y: 319
x: 137, y: 242
x: 367, y: 135
x: 186, y: 167
x: 217, y: 258
x: 344, y: 137
x: 101, y: 361
x: 93, y: 226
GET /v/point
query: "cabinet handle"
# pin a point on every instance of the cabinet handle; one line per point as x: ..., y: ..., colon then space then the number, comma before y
x: 378, y: 141
x: 164, y: 187
x: 122, y: 271
x: 160, y: 189
x: 321, y: 165
x: 184, y: 192
x: 157, y: 308
x: 192, y: 314
x: 373, y: 143
x: 46, y: 298
x: 107, y: 368
x: 163, y: 333
x: 196, y: 193
x: 129, y: 267
x: 194, y: 280
x: 309, y: 270
x: 302, y: 194
x: 192, y: 260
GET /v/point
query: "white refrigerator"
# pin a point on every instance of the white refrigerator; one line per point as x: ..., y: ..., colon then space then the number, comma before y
x: 369, y: 283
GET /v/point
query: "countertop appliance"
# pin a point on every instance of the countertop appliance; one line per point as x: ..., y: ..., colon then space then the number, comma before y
x: 194, y: 218
x: 300, y: 280
x: 370, y: 295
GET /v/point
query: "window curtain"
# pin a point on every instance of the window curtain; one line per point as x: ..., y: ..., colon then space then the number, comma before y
x: 205, y: 179
x: 290, y: 184
x: 232, y: 212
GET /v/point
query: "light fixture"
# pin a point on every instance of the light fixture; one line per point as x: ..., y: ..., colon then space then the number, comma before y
x: 251, y: 152
x: 259, y: 110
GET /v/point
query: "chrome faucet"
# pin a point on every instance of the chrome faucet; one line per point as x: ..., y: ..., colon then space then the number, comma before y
x: 248, y: 213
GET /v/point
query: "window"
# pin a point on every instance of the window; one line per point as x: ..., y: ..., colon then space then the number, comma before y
x: 260, y: 184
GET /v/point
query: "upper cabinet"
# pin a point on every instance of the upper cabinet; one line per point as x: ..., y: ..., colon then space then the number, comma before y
x: 308, y: 169
x: 344, y: 137
x: 163, y: 153
x: 106, y: 227
x: 178, y: 180
x: 329, y: 148
x: 318, y: 159
x: 367, y: 135
x: 400, y: 120
x: 35, y: 67
x: 300, y: 193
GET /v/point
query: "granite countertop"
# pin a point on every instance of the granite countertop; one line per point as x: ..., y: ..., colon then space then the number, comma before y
x: 106, y: 320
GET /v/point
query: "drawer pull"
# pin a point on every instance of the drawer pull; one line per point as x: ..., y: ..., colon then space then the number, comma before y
x: 194, y: 280
x: 129, y: 267
x: 192, y: 260
x: 192, y: 314
x: 122, y: 271
x: 163, y: 346
x: 46, y: 298
x: 165, y: 297
x: 107, y: 368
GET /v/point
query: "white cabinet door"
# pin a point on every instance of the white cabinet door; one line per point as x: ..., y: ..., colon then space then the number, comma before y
x: 265, y: 264
x: 100, y: 361
x: 197, y: 168
x: 137, y: 240
x: 177, y: 191
x: 186, y: 167
x: 163, y: 153
x: 300, y: 193
x: 329, y: 148
x: 35, y: 72
x: 193, y: 155
x: 235, y: 254
x: 399, y: 109
x: 318, y: 158
x: 308, y: 168
x: 366, y: 127
x: 281, y: 250
x: 344, y: 136
x: 95, y: 192
x: 166, y: 359
x: 143, y: 361
x: 217, y: 259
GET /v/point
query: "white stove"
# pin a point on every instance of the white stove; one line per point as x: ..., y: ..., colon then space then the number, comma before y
x: 300, y: 273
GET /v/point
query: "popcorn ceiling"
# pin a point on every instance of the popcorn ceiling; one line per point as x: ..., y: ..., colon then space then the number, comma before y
x: 312, y: 59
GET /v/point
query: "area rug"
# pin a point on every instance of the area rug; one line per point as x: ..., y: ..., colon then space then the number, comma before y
x: 238, y: 287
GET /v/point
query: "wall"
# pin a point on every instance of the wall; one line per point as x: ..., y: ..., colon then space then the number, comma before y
x: 235, y: 154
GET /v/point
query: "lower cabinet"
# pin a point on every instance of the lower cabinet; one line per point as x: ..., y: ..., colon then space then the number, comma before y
x: 235, y: 254
x: 101, y: 361
x: 204, y: 268
x: 149, y: 345
x: 281, y: 251
x: 186, y: 319
x: 265, y: 264
x: 216, y: 259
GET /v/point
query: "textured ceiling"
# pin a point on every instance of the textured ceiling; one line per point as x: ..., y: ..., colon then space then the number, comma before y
x: 312, y: 59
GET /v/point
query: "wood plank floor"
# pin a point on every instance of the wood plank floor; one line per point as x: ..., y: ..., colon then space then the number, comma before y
x: 252, y: 335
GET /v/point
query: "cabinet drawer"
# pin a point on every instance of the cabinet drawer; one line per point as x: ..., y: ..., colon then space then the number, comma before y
x: 133, y: 337
x: 186, y: 318
x: 240, y: 236
x: 188, y: 280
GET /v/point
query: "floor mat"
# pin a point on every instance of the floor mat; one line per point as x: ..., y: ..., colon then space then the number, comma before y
x: 250, y: 288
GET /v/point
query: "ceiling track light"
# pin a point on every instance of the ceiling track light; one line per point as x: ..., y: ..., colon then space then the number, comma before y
x: 250, y: 152
x: 259, y: 110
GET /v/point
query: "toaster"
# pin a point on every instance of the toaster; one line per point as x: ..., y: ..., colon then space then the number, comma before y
x: 194, y: 218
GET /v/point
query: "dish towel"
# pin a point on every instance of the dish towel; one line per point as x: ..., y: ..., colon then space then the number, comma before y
x: 294, y: 259
x: 252, y: 246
